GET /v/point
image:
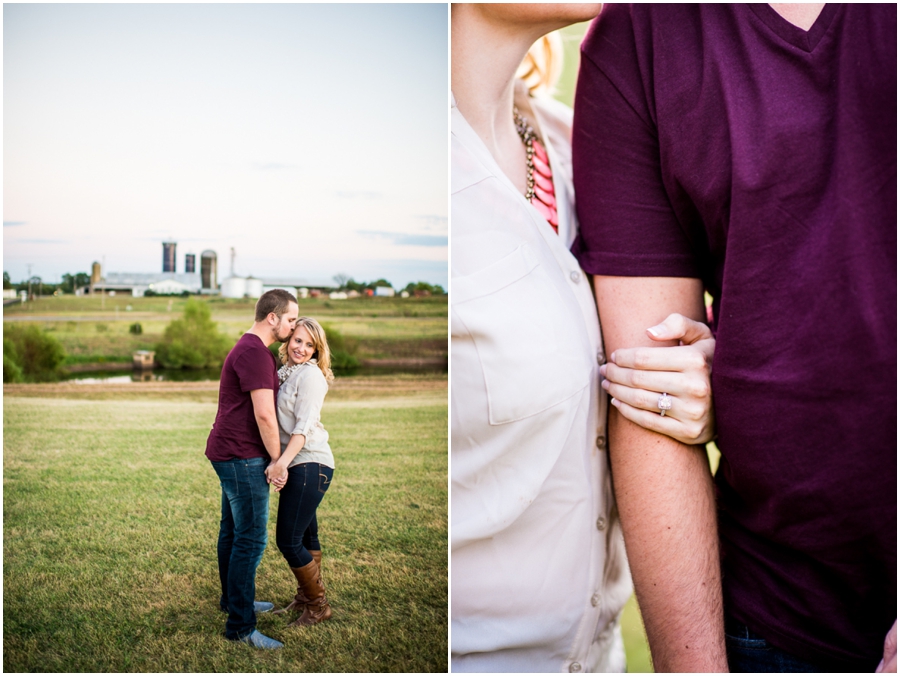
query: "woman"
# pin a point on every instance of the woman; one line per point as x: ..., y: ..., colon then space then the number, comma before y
x: 538, y: 561
x: 307, y: 462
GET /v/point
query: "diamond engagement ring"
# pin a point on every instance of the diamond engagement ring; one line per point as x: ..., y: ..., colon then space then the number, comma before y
x: 664, y: 403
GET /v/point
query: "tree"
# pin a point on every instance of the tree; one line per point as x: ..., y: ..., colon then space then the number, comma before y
x: 193, y: 341
x: 31, y: 355
x: 341, y: 280
x: 71, y: 282
x: 6, y: 283
x: 414, y: 287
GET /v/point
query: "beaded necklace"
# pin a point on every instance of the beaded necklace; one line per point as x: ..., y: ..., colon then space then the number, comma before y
x: 539, y: 181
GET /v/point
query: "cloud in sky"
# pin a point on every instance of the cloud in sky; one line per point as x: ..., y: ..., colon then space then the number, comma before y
x: 403, y: 239
x: 358, y: 195
x: 276, y: 166
x: 432, y: 222
x: 43, y: 241
x: 281, y: 130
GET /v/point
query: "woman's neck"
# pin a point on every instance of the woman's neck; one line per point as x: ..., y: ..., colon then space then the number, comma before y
x: 485, y: 56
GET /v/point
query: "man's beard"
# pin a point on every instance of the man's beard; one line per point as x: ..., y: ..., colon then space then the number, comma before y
x: 285, y: 339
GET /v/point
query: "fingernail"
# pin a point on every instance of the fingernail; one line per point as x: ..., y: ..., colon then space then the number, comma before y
x: 655, y: 331
x: 612, y: 357
x: 605, y: 385
x: 614, y: 402
x: 603, y: 370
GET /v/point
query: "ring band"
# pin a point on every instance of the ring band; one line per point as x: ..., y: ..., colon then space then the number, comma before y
x: 664, y: 403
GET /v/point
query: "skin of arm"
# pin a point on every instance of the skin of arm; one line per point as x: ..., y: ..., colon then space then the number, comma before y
x: 665, y: 494
x: 264, y: 411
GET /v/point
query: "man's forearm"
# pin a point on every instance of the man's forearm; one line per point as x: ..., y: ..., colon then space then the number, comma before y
x: 666, y: 503
x: 268, y: 430
x: 665, y: 494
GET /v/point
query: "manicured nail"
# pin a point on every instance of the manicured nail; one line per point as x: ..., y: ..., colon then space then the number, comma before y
x: 603, y: 370
x: 612, y: 358
x: 655, y: 331
x: 605, y: 385
x: 614, y: 402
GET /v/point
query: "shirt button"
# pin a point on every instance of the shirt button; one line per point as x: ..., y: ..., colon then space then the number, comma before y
x: 574, y: 668
x: 601, y: 358
x: 601, y: 523
x: 601, y: 441
x: 575, y: 276
x: 595, y: 599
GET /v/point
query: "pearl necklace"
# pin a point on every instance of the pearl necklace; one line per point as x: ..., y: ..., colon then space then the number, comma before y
x: 287, y: 371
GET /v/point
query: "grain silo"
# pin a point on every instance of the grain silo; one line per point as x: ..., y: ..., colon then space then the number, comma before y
x: 208, y: 270
x: 254, y: 287
x: 96, y: 273
x: 169, y: 256
x: 234, y: 287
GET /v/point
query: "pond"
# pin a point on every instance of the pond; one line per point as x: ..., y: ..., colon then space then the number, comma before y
x: 197, y: 375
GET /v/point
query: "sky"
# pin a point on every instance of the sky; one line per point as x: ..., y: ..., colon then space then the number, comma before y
x: 310, y: 138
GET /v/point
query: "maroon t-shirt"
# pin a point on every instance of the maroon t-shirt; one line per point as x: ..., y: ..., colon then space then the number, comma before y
x: 724, y: 143
x: 235, y: 434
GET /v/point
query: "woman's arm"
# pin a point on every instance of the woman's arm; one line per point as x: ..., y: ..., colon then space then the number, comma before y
x: 311, y: 391
x: 295, y: 445
x: 636, y: 377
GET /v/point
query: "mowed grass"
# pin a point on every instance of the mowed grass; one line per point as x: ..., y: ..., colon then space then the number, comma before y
x: 111, y: 515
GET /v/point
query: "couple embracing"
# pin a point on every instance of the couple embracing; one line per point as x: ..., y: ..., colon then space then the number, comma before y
x: 268, y: 431
x: 747, y: 151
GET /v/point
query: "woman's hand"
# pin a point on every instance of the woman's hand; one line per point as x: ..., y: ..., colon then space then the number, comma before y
x: 636, y: 377
x: 277, y: 475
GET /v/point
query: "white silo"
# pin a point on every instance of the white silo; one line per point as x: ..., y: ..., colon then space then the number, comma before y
x: 234, y: 287
x: 253, y: 287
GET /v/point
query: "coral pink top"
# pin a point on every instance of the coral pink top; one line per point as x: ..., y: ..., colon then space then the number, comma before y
x: 544, y: 199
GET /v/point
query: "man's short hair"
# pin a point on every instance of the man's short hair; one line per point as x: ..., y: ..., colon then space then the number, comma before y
x: 276, y: 300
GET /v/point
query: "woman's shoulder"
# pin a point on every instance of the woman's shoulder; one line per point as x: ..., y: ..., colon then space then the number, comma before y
x: 311, y: 373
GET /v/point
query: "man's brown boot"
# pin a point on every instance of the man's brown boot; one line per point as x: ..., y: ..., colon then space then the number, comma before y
x: 317, y: 608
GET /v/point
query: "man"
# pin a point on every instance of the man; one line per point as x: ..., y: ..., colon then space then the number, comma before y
x: 750, y: 150
x: 242, y: 444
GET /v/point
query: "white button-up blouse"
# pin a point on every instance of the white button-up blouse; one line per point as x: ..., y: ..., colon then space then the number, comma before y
x: 538, y: 569
x: 299, y: 409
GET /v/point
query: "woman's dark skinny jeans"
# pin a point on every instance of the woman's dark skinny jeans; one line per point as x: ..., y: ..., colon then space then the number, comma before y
x: 297, y: 530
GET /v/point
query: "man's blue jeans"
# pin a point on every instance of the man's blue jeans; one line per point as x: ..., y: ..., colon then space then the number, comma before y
x: 242, y: 539
x: 749, y: 653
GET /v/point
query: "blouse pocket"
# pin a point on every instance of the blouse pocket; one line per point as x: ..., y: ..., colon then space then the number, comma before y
x: 530, y: 341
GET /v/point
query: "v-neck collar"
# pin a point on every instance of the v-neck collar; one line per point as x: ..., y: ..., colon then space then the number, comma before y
x: 794, y: 35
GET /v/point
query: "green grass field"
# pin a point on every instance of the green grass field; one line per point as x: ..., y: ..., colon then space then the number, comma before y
x: 111, y: 514
x: 96, y: 330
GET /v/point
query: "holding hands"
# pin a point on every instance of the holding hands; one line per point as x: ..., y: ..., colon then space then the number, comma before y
x: 638, y: 378
x: 276, y: 475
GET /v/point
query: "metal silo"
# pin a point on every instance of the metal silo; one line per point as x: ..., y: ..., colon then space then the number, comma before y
x: 234, y: 287
x: 253, y: 288
x: 169, y: 256
x: 208, y: 270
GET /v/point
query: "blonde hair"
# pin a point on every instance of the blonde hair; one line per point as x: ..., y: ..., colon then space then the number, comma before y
x: 542, y: 65
x: 322, y: 355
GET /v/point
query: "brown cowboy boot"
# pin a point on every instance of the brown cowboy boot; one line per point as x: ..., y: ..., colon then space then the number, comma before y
x: 299, y: 601
x: 317, y: 608
x: 317, y: 557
